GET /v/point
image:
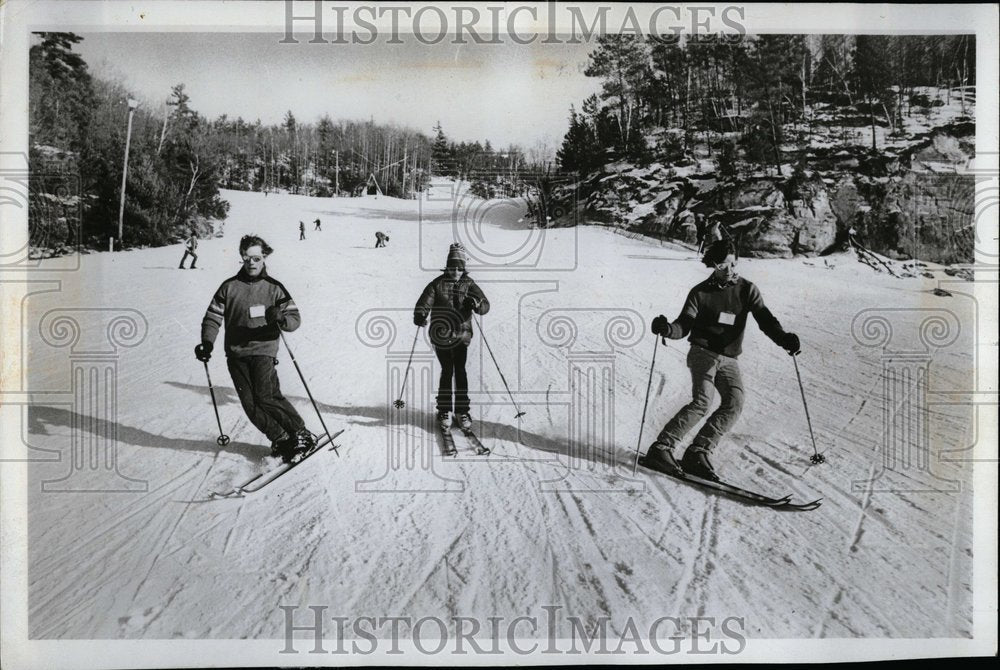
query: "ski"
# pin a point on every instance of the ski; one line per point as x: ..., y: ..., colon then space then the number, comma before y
x: 448, y: 441
x: 784, y: 503
x: 260, y: 480
x: 481, y: 449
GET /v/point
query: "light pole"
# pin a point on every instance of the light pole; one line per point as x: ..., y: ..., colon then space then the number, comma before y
x: 336, y: 188
x: 132, y: 104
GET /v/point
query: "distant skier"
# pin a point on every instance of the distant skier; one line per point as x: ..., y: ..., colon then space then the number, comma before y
x: 380, y: 239
x: 715, y: 316
x: 318, y: 227
x: 253, y: 306
x: 449, y: 301
x: 190, y: 246
x: 302, y: 231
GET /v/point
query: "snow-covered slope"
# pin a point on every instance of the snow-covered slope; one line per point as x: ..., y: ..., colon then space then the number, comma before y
x: 554, y: 516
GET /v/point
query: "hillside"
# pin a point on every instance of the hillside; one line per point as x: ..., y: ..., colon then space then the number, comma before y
x: 553, y: 516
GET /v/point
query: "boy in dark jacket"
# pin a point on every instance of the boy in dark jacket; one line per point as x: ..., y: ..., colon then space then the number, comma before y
x: 449, y: 301
x: 715, y: 316
x: 253, y: 306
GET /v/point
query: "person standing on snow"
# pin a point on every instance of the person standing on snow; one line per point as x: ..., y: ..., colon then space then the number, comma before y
x: 319, y: 226
x: 190, y: 245
x: 253, y: 306
x: 449, y: 301
x: 714, y: 315
x: 380, y: 239
x: 302, y: 231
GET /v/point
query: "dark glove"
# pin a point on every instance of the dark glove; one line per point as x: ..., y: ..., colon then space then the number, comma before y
x: 471, y: 303
x: 203, y: 351
x: 419, y: 320
x: 660, y: 326
x: 790, y: 343
x: 274, y: 315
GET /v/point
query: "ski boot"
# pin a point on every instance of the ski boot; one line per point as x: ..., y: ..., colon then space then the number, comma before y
x: 305, y: 442
x: 464, y: 421
x: 284, y: 448
x: 695, y: 463
x: 444, y: 421
x: 660, y: 457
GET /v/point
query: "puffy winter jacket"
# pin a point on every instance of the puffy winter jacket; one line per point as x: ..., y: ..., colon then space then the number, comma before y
x: 450, y: 319
x: 241, y: 302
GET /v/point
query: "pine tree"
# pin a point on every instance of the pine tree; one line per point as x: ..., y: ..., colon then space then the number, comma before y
x: 873, y: 73
x: 577, y: 153
x: 622, y: 63
x: 441, y: 152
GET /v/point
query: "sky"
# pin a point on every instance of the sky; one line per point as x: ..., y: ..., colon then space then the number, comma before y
x: 506, y: 93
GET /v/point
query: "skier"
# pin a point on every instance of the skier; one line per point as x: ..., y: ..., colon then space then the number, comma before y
x: 380, y: 239
x: 715, y: 316
x: 190, y: 245
x: 318, y: 227
x: 449, y: 301
x: 302, y: 231
x: 253, y: 306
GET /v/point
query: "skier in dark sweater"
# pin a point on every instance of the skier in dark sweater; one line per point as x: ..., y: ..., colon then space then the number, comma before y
x: 449, y: 301
x: 319, y: 226
x: 302, y: 231
x: 380, y: 239
x: 190, y: 245
x: 253, y: 306
x: 714, y: 317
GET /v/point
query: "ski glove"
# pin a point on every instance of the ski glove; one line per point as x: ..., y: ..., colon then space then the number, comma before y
x: 790, y: 343
x: 419, y: 320
x: 471, y: 303
x: 274, y: 315
x: 660, y: 326
x: 203, y: 351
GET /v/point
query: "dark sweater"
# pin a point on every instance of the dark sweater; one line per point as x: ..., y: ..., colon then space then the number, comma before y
x: 248, y: 335
x: 716, y: 316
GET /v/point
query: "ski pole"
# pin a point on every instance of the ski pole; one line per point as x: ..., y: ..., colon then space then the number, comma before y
x: 399, y: 403
x: 642, y: 424
x: 487, y: 342
x: 223, y: 439
x: 817, y: 458
x: 308, y: 392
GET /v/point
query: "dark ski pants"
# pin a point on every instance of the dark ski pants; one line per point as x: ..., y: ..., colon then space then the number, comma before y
x: 452, y: 361
x: 709, y: 372
x: 302, y: 235
x: 193, y: 255
x: 260, y: 394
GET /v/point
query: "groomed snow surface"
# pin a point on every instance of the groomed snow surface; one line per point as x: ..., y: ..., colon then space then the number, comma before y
x: 553, y: 517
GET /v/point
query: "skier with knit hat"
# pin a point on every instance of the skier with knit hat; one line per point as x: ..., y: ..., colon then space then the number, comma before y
x: 447, y: 304
x: 714, y: 317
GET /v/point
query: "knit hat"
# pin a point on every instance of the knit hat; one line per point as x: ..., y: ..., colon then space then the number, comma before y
x: 456, y: 257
